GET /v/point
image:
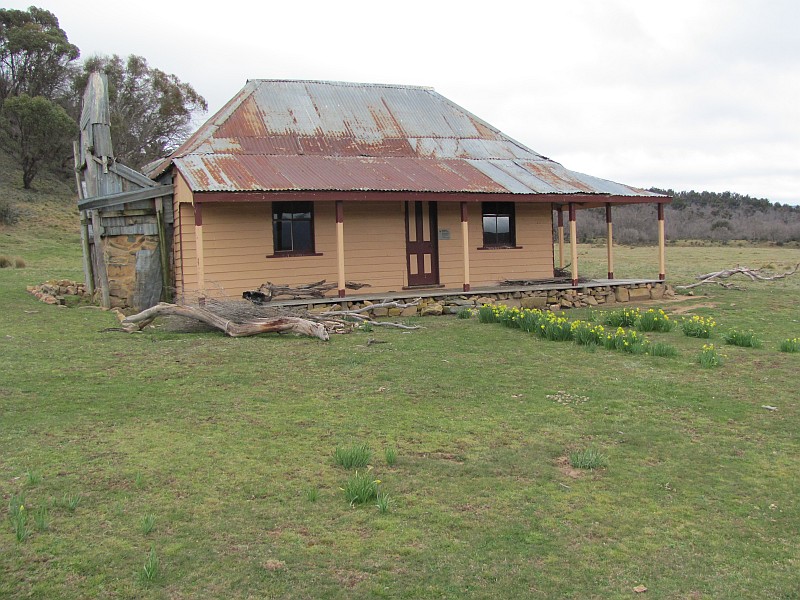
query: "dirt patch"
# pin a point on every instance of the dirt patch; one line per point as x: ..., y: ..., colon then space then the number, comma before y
x: 442, y: 456
x: 681, y: 310
x: 349, y: 578
x: 566, y: 468
x: 273, y: 565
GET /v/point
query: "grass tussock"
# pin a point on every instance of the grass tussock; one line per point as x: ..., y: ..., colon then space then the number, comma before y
x: 590, y: 458
x: 356, y: 456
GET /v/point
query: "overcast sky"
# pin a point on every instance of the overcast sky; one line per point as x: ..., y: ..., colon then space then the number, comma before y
x: 697, y: 94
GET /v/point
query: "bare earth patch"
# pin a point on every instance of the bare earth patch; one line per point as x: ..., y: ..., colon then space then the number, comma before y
x: 566, y: 468
x: 685, y: 309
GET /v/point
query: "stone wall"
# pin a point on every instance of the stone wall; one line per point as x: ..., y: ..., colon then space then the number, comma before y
x: 134, y: 271
x: 546, y: 300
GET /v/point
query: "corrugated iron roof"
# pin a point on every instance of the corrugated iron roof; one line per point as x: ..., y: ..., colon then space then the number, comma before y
x: 277, y: 135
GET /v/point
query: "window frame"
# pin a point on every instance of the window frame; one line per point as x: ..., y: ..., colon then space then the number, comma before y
x: 499, y: 209
x: 292, y: 207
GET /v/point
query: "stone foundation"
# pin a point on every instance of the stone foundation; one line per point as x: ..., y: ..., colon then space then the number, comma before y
x: 545, y: 300
x: 133, y: 266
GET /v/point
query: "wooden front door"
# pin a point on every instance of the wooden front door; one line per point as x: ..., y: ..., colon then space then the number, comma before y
x: 422, y: 252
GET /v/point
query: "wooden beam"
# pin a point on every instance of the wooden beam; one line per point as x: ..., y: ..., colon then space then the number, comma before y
x: 662, y: 269
x: 340, y: 248
x: 99, y: 253
x: 88, y: 274
x: 465, y: 242
x: 126, y: 197
x: 573, y: 241
x: 560, y: 237
x: 610, y: 242
x: 131, y: 175
x: 198, y: 240
x: 162, y: 250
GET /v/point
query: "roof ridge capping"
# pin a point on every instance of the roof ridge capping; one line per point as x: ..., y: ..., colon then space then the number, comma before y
x: 343, y: 83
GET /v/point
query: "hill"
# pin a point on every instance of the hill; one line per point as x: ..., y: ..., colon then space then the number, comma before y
x: 698, y: 216
x: 45, y: 218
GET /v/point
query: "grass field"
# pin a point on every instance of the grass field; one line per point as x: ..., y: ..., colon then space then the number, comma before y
x: 174, y: 465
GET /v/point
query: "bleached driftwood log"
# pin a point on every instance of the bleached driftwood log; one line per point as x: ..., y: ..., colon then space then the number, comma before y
x: 270, y: 291
x: 280, y: 324
x: 753, y: 274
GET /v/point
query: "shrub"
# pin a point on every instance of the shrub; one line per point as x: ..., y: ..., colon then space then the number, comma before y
x: 9, y: 215
x: 709, y: 357
x: 5, y: 262
x: 590, y: 458
x: 555, y: 328
x: 19, y: 263
x: 354, y: 457
x: 585, y: 334
x: 530, y: 319
x: 623, y: 317
x: 652, y: 320
x: 488, y: 313
x: 790, y: 345
x: 625, y: 340
x: 698, y: 327
x: 464, y: 313
x: 361, y: 488
x: 745, y: 339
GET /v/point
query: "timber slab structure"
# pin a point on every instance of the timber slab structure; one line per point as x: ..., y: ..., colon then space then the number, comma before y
x: 395, y: 187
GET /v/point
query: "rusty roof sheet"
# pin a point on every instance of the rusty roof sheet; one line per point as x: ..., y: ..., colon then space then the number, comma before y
x: 316, y: 135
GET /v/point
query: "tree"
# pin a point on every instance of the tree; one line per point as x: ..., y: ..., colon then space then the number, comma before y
x: 40, y: 132
x: 35, y: 54
x: 151, y: 111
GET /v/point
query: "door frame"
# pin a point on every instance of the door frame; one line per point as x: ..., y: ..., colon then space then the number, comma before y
x: 420, y: 247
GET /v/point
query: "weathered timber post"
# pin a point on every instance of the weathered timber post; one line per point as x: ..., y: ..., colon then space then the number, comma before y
x: 560, y: 237
x: 340, y: 248
x: 662, y: 269
x: 465, y: 243
x: 610, y: 241
x: 573, y: 240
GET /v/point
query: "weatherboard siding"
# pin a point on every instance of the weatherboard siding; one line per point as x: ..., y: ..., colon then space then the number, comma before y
x: 238, y: 248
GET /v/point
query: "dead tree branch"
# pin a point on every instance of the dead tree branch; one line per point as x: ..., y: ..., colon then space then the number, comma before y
x: 282, y: 324
x: 355, y: 311
x: 753, y: 274
x: 267, y: 292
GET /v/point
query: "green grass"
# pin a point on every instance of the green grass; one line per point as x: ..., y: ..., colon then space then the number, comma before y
x: 356, y: 456
x: 590, y: 458
x: 700, y: 499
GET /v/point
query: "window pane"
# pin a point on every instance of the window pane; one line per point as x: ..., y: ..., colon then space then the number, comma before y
x: 489, y: 224
x: 301, y: 237
x: 503, y: 224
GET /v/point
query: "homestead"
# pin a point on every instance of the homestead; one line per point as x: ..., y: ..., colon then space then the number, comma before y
x: 387, y: 186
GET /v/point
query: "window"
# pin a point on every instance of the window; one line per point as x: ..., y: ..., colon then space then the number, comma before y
x: 293, y: 227
x: 498, y: 225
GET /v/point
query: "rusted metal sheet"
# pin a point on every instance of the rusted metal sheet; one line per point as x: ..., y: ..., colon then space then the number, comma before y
x: 312, y: 135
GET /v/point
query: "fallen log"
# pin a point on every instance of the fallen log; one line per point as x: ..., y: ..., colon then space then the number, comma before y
x: 270, y: 291
x: 280, y: 324
x: 753, y: 274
